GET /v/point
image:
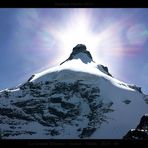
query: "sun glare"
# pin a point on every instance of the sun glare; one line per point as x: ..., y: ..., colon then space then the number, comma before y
x: 76, y: 30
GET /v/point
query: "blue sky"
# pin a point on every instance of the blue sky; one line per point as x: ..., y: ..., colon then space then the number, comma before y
x: 32, y: 40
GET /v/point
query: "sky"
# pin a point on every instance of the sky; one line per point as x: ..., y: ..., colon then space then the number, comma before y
x: 32, y: 40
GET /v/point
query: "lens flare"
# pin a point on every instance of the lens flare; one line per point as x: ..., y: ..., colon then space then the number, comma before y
x: 137, y: 34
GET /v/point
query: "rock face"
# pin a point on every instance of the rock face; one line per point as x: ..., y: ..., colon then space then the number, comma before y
x: 141, y: 131
x: 56, y: 107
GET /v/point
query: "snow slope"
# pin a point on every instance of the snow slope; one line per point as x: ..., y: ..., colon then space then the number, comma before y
x: 77, y: 99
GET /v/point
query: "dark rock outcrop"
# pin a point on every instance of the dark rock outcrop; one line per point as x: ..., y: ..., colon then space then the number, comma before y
x: 104, y: 69
x: 80, y: 48
x: 141, y: 131
x: 136, y: 134
x: 136, y: 88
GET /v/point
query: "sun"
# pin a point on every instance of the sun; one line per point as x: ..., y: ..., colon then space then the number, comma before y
x: 76, y: 30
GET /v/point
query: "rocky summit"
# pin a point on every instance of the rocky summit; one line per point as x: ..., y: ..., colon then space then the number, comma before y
x: 80, y: 52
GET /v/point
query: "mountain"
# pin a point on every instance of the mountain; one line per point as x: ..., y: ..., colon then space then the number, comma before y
x: 77, y: 99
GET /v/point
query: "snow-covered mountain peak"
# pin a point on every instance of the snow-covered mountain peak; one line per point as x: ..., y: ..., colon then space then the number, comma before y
x: 80, y: 52
x: 77, y: 99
